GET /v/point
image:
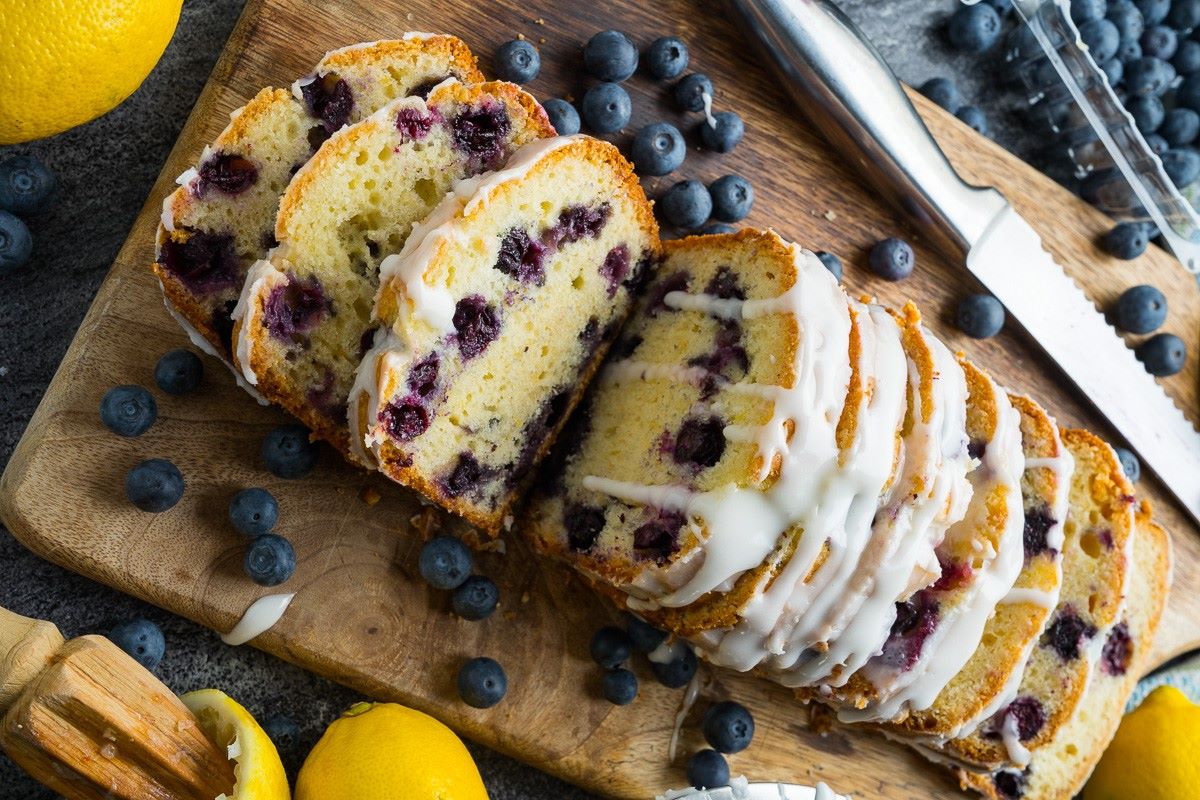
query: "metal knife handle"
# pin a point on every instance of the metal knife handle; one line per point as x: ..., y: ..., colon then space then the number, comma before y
x: 853, y: 97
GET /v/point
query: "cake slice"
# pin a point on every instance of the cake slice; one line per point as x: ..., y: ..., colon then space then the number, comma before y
x: 1095, y: 567
x: 1059, y: 768
x: 938, y: 628
x: 304, y: 318
x: 989, y: 680
x: 221, y: 219
x: 498, y: 310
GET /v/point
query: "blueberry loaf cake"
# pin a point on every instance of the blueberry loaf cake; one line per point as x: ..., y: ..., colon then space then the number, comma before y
x: 497, y: 311
x: 304, y: 322
x: 221, y: 219
x: 815, y: 489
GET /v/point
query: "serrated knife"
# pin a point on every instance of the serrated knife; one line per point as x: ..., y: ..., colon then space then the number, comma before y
x: 849, y: 93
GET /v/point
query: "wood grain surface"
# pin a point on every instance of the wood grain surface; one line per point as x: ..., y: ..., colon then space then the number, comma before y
x: 362, y: 617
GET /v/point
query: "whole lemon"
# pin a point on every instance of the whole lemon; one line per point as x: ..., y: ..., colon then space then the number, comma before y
x: 1153, y: 756
x: 65, y: 62
x: 384, y: 751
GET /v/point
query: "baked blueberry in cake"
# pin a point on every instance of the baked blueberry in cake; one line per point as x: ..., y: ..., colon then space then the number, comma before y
x: 221, y: 219
x: 497, y: 311
x: 990, y: 678
x: 304, y: 318
x: 1060, y: 766
x: 1096, y: 538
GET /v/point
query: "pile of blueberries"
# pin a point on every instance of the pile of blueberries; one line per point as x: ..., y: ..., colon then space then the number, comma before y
x: 728, y: 727
x: 156, y: 485
x: 26, y: 188
x: 658, y: 148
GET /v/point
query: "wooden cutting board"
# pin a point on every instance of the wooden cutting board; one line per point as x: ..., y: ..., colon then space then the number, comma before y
x: 362, y: 616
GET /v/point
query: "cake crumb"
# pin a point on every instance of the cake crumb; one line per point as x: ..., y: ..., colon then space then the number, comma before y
x: 409, y: 16
x: 521, y: 36
x: 541, y: 40
x: 820, y: 719
x: 509, y: 615
x: 539, y: 21
x: 830, y: 215
x: 524, y: 598
x: 370, y: 495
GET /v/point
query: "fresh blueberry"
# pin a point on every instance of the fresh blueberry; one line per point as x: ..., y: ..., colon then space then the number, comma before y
x: 1148, y: 75
x: 678, y: 672
x: 715, y: 228
x: 1153, y: 11
x: 128, y: 410
x: 1084, y: 10
x: 1157, y: 144
x: 254, y: 511
x: 666, y: 58
x: 1180, y: 127
x: 1101, y: 38
x: 1129, y: 50
x: 1129, y: 464
x: 606, y: 108
x: 611, y: 647
x: 658, y: 149
x: 517, y: 61
x: 1182, y: 166
x: 141, y: 640
x: 645, y: 637
x: 563, y: 116
x: 1129, y: 21
x: 892, y: 259
x: 283, y: 732
x: 974, y: 29
x: 723, y: 133
x: 1114, y: 70
x: 1127, y: 240
x: 288, y: 451
x: 620, y: 686
x: 1162, y: 354
x: 686, y: 205
x: 26, y: 185
x: 445, y: 562
x: 689, y: 92
x: 1188, y: 93
x: 1140, y: 309
x: 482, y: 683
x: 944, y: 92
x: 732, y: 198
x: 1187, y: 57
x: 16, y: 243
x: 154, y: 485
x: 1147, y: 112
x: 179, y: 372
x: 831, y: 262
x: 1184, y: 14
x: 610, y: 56
x: 270, y: 560
x: 728, y: 727
x: 980, y: 316
x: 708, y: 769
x: 974, y: 118
x: 476, y: 599
x: 1159, y: 41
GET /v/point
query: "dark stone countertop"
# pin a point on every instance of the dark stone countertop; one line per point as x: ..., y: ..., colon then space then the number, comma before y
x: 105, y: 170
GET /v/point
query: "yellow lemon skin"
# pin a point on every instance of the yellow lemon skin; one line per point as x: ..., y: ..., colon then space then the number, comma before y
x: 384, y: 751
x: 65, y: 62
x: 1154, y: 754
x: 257, y: 768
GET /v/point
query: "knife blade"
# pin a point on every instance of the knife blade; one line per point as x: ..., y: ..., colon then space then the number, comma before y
x: 850, y: 94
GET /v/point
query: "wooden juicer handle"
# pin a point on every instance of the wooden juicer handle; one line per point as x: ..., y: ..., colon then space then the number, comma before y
x: 85, y: 719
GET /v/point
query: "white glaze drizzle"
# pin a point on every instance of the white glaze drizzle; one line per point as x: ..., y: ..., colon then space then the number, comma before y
x: 262, y: 276
x: 1010, y: 734
x: 743, y: 525
x: 365, y: 393
x: 262, y: 614
x: 205, y: 346
x: 690, y: 696
x: 404, y: 273
x: 1038, y: 597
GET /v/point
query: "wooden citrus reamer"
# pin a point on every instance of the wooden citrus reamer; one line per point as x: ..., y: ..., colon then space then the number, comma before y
x: 88, y: 721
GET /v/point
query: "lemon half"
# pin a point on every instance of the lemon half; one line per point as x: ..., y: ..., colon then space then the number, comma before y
x: 384, y: 751
x: 256, y: 767
x: 65, y: 62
